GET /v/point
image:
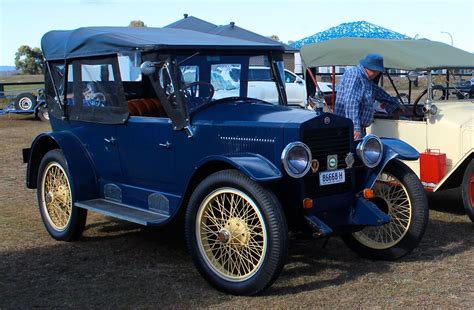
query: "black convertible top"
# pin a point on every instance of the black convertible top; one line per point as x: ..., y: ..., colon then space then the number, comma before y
x: 95, y: 41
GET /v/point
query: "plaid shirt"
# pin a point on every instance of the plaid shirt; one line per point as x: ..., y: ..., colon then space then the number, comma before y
x: 356, y: 95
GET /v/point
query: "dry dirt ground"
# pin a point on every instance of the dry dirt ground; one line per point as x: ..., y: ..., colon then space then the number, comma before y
x: 117, y: 264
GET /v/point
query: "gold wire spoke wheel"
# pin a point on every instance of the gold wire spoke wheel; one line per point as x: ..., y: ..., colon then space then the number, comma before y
x: 231, y: 234
x: 394, y: 196
x: 56, y: 198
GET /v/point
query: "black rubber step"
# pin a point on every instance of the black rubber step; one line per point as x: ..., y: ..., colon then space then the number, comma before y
x: 123, y: 211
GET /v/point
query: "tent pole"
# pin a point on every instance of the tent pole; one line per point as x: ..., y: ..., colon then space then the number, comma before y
x: 333, y: 97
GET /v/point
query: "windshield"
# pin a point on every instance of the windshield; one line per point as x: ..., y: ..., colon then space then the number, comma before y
x: 205, y: 78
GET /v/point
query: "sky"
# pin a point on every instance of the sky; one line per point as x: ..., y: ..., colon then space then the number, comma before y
x: 23, y: 22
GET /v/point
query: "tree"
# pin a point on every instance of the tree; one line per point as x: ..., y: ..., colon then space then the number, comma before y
x: 29, y: 60
x: 137, y: 23
x: 275, y: 37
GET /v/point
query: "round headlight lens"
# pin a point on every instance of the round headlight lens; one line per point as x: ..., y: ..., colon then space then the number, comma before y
x: 296, y: 158
x: 370, y: 151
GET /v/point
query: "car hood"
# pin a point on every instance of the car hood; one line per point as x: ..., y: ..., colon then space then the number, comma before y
x: 457, y: 113
x: 261, y: 114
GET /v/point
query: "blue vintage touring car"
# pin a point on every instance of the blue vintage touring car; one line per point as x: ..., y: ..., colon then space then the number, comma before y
x: 151, y: 123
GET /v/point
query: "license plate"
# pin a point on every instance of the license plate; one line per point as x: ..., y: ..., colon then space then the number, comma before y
x: 332, y: 177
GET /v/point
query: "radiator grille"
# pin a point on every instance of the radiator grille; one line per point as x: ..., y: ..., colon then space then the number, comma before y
x: 324, y: 142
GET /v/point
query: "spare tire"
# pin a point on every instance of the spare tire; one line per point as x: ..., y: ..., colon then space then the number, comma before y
x: 25, y: 102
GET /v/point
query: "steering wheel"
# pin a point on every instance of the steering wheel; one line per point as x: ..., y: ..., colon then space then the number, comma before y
x: 434, y: 90
x: 192, y: 94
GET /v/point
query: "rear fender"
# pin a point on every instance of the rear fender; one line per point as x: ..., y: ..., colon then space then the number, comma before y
x: 392, y: 149
x: 83, y: 177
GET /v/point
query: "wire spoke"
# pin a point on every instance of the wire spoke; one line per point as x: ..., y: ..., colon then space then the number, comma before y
x: 232, y: 234
x: 394, y: 194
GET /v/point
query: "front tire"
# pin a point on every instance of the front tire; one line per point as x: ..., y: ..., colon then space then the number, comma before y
x: 467, y: 190
x: 236, y: 233
x: 62, y: 219
x: 399, y: 193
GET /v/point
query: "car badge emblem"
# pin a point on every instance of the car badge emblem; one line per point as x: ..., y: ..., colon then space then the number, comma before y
x: 327, y: 120
x: 349, y: 160
x: 314, y: 165
x: 332, y: 162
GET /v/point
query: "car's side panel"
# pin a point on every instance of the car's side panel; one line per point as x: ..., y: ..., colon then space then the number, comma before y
x: 101, y: 143
x: 450, y: 131
x: 454, y: 177
x: 83, y: 176
x: 412, y: 132
x: 147, y: 155
x: 147, y: 152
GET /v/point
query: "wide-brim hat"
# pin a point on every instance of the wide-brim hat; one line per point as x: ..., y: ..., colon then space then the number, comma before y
x: 373, y: 62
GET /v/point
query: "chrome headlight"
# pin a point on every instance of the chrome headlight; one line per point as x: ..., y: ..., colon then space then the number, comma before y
x: 370, y: 150
x: 296, y: 158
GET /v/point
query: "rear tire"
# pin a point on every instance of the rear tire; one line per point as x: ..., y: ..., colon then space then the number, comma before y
x: 62, y: 219
x: 399, y: 193
x: 467, y: 190
x: 236, y: 233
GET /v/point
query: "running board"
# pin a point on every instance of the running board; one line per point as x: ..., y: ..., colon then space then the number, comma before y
x: 124, y: 212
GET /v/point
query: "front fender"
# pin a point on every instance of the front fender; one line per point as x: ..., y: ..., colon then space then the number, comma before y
x: 83, y: 177
x: 255, y: 166
x: 392, y: 149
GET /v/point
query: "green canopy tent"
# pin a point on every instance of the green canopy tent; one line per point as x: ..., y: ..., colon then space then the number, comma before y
x: 407, y: 55
x: 397, y: 54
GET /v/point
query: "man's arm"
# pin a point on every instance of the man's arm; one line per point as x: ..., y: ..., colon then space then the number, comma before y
x: 391, y: 104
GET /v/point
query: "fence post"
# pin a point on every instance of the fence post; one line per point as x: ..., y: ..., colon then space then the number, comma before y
x: 2, y: 91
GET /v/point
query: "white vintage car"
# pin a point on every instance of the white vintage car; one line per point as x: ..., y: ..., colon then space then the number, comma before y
x: 441, y: 130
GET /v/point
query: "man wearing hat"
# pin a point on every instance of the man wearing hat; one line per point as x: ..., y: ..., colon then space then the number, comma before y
x: 357, y: 92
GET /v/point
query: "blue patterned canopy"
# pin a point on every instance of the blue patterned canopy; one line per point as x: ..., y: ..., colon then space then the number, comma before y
x: 360, y: 29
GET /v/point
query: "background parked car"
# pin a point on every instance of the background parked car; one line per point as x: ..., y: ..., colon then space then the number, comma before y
x: 442, y: 131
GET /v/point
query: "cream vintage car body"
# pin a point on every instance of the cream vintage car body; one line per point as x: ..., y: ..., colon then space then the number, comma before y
x: 433, y: 125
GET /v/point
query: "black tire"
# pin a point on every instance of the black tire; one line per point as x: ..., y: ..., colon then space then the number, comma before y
x: 467, y: 190
x: 25, y: 102
x: 253, y: 231
x: 42, y: 113
x: 399, y: 193
x: 68, y: 224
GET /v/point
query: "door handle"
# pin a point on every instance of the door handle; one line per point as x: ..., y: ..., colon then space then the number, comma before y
x: 166, y: 145
x: 111, y: 140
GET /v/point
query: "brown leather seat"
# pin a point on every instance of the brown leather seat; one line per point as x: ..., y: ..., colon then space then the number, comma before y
x: 150, y: 107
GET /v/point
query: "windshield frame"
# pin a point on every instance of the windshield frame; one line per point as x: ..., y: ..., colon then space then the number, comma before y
x: 177, y: 108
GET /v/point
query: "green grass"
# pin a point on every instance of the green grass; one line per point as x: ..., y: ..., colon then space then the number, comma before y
x: 21, y: 78
x: 12, y: 90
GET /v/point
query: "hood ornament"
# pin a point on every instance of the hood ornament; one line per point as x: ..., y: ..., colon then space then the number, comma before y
x: 349, y: 160
x: 314, y: 165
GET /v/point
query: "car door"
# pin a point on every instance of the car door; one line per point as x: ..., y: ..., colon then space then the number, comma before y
x: 95, y: 108
x: 295, y: 88
x: 147, y: 153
